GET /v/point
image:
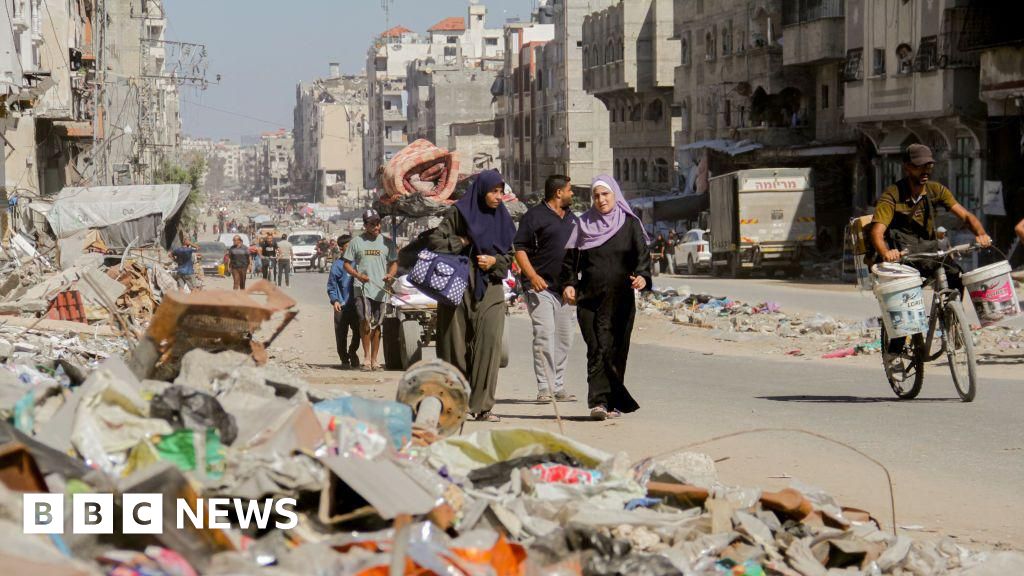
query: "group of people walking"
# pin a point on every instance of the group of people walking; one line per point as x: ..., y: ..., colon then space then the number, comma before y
x: 585, y: 269
x: 271, y: 259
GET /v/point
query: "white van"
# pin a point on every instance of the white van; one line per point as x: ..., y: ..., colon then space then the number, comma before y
x: 304, y: 247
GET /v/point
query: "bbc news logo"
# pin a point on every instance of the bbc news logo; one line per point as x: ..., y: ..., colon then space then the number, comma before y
x: 144, y: 513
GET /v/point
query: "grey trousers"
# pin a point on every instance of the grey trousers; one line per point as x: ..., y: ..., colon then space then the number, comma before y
x: 554, y: 328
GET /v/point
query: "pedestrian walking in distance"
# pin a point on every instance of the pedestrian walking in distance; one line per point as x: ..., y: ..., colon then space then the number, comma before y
x: 540, y: 246
x: 372, y: 259
x: 607, y: 260
x: 268, y: 245
x: 346, y: 317
x: 185, y: 274
x: 285, y: 255
x: 469, y: 335
x: 238, y: 260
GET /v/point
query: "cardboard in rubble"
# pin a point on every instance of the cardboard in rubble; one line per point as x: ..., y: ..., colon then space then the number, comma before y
x: 212, y: 320
x: 359, y: 487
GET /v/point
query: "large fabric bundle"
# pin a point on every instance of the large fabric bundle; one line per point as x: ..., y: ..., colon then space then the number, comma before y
x: 420, y: 168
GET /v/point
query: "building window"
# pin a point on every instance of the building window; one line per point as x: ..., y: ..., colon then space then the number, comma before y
x: 853, y: 70
x: 727, y: 40
x: 840, y: 90
x: 904, y: 59
x: 453, y: 39
x: 661, y: 171
x: 965, y: 174
x: 824, y: 96
x: 618, y: 170
x: 450, y: 51
x: 727, y: 114
x: 491, y: 41
x: 625, y: 170
x: 878, y: 62
x: 581, y: 145
x: 686, y: 52
x: 927, y: 58
x: 635, y: 173
x: 643, y: 171
x: 709, y: 46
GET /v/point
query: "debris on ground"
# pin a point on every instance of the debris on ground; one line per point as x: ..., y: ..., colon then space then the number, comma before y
x: 386, y: 486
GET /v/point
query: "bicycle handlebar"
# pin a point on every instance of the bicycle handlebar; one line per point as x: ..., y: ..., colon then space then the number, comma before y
x: 961, y: 249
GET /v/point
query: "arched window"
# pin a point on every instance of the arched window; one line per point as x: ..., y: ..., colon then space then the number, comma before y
x: 661, y: 170
x: 609, y: 52
x: 586, y: 57
x: 618, y: 170
x: 643, y: 170
x: 622, y: 49
x: 656, y: 111
x: 635, y: 172
x: 625, y: 170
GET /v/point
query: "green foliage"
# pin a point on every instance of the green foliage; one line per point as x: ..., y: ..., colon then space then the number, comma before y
x: 190, y: 173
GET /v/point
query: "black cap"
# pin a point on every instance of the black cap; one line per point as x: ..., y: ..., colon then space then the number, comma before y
x: 371, y: 215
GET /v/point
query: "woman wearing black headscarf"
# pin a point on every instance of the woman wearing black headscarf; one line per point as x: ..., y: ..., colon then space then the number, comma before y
x: 469, y: 335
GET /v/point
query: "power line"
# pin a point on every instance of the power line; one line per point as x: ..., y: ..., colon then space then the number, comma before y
x: 232, y: 113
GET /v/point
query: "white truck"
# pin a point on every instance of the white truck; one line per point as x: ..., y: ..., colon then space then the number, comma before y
x: 761, y: 219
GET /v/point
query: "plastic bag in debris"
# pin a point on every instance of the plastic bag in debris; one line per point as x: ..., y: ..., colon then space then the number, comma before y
x: 357, y: 438
x: 187, y: 449
x: 187, y: 408
x: 822, y: 324
x: 389, y: 416
x: 500, y: 472
x: 562, y: 474
x: 427, y: 548
x: 463, y: 454
x: 110, y: 419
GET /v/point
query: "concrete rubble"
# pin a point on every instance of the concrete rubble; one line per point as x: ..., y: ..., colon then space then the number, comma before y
x: 111, y: 382
x: 793, y: 334
x: 374, y: 495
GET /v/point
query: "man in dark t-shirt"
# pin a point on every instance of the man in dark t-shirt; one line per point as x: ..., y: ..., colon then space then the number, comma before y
x: 540, y: 249
x: 269, y: 262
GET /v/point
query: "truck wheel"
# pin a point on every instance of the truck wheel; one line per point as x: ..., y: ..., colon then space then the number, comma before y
x: 504, y: 345
x: 411, y: 351
x: 392, y: 342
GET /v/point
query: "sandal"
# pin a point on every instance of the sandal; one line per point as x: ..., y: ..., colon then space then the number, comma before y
x: 487, y: 417
x: 378, y: 368
x: 365, y: 368
x: 599, y: 413
x: 563, y: 396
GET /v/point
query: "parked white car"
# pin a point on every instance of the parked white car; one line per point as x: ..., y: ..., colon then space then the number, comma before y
x: 304, y: 247
x: 694, y: 250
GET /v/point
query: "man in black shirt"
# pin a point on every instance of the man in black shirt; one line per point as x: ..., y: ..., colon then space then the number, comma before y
x: 540, y: 248
x: 269, y: 262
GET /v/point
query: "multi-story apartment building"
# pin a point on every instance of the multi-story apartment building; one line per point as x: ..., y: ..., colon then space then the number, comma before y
x: 330, y: 122
x: 630, y: 53
x: 274, y: 167
x: 906, y: 81
x: 446, y: 43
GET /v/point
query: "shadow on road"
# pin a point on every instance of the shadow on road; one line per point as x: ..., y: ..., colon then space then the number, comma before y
x: 850, y: 399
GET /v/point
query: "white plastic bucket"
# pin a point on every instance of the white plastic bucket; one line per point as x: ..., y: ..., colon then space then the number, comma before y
x: 889, y: 271
x: 992, y: 292
x: 902, y: 304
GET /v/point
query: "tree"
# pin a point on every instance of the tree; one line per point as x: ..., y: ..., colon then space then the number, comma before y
x: 190, y: 173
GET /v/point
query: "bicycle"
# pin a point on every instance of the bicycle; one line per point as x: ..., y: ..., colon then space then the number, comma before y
x: 905, y: 368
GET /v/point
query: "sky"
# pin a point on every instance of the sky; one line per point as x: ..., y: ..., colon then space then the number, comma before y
x: 262, y: 49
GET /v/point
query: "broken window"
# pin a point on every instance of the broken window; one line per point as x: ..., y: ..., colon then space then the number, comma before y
x: 853, y: 69
x: 905, y: 59
x: 878, y: 62
x: 927, y: 58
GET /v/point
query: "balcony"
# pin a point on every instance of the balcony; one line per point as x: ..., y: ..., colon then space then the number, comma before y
x: 814, y: 42
x: 394, y: 115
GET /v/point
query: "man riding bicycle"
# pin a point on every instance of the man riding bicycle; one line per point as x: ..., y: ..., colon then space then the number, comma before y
x: 905, y: 214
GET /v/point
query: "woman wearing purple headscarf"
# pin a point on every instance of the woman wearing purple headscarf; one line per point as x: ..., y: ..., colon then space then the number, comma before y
x: 469, y: 335
x: 607, y: 260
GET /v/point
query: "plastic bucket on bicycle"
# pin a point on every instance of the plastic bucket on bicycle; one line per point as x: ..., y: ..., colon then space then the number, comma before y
x: 902, y: 304
x: 889, y: 271
x: 992, y: 292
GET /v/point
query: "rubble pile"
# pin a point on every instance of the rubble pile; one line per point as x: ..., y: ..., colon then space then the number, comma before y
x: 374, y: 491
x: 729, y: 319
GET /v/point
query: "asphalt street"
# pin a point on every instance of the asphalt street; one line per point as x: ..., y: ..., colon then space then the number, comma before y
x: 956, y: 468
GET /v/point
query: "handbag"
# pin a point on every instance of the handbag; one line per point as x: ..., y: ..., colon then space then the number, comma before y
x: 443, y: 277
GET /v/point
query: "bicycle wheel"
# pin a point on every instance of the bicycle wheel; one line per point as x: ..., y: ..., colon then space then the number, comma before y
x: 959, y: 350
x: 904, y: 369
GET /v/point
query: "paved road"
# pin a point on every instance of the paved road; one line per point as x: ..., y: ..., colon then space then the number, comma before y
x: 957, y: 468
